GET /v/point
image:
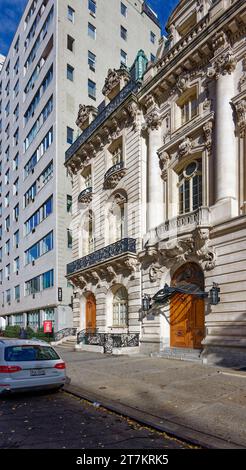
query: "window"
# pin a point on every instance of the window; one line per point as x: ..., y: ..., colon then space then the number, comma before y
x: 152, y: 37
x: 38, y: 95
x: 42, y: 213
x: 16, y: 187
x: 48, y: 279
x: 123, y: 57
x: 123, y: 9
x: 92, y: 7
x: 123, y: 33
x: 39, y: 152
x: 16, y: 162
x: 92, y: 61
x: 6, y: 200
x: 38, y: 124
x: 70, y: 14
x: 17, y: 292
x: 70, y: 43
x: 7, y: 108
x: 7, y: 223
x: 69, y: 203
x: 39, y: 283
x: 16, y: 112
x: 6, y: 177
x: 16, y: 239
x: 188, y: 104
x: 16, y: 137
x: 16, y: 212
x: 8, y: 296
x: 30, y: 194
x: 7, y: 247
x: 16, y: 264
x: 152, y: 58
x: 91, y: 31
x: 33, y: 320
x: 190, y: 187
x: 7, y: 270
x: 70, y: 72
x: 70, y: 133
x: 40, y: 248
x: 16, y: 89
x: 92, y: 89
x: 69, y: 238
x: 120, y: 308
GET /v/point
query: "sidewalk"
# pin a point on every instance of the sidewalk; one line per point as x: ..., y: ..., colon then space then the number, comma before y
x: 201, y: 404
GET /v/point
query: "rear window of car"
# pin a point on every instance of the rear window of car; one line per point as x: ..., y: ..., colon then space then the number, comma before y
x: 30, y: 353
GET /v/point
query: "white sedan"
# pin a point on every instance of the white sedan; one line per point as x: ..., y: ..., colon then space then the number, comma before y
x: 29, y: 365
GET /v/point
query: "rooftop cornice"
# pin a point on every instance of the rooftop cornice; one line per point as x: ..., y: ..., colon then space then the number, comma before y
x: 178, y: 52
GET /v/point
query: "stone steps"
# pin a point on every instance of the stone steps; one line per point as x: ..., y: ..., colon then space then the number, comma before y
x: 180, y: 354
x: 68, y: 344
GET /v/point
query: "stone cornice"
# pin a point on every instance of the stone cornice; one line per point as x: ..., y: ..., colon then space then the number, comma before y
x: 203, y: 38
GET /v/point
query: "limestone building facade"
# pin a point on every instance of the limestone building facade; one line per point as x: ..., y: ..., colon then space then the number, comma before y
x: 183, y: 169
x: 59, y: 55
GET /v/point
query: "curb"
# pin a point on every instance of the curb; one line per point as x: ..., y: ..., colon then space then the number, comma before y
x: 174, y: 430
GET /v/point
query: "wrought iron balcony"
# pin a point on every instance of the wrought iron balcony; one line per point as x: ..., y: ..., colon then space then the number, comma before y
x: 114, y: 175
x: 85, y: 196
x: 130, y: 88
x: 124, y: 246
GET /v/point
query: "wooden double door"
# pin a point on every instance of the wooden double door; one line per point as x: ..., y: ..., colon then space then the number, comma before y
x: 90, y: 320
x: 187, y: 319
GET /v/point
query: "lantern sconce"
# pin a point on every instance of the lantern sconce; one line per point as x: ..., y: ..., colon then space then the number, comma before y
x: 214, y: 294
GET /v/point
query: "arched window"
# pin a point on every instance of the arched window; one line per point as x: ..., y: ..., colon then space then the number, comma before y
x: 120, y: 308
x: 190, y: 187
x: 116, y: 220
x: 88, y: 230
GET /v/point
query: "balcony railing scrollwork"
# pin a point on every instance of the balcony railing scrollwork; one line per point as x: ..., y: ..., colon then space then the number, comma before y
x: 108, y: 341
x: 64, y: 333
x: 124, y: 246
x: 85, y: 196
x: 114, y: 175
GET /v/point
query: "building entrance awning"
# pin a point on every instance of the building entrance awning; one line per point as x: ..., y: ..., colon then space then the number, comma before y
x: 165, y: 294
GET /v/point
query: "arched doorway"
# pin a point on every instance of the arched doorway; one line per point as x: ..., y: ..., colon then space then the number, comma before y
x: 90, y: 320
x: 187, y: 317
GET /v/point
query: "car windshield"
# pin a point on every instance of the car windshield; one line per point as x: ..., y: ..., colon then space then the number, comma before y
x: 30, y: 353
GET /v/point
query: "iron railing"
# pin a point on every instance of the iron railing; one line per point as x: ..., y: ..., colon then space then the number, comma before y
x: 65, y: 333
x: 108, y: 341
x: 130, y: 88
x: 126, y: 245
x: 113, y: 169
x: 84, y: 193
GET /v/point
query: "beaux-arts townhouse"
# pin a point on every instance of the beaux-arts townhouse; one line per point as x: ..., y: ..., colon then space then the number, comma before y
x: 159, y: 195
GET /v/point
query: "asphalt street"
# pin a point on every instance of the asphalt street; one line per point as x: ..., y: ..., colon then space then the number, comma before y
x: 56, y: 420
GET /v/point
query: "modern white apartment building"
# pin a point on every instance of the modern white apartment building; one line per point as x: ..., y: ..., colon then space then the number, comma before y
x: 59, y: 57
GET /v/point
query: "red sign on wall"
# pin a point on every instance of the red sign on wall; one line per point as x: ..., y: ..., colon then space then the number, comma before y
x: 48, y: 326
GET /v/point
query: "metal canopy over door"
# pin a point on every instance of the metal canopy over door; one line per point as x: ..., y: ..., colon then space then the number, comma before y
x: 187, y: 321
x: 91, y: 313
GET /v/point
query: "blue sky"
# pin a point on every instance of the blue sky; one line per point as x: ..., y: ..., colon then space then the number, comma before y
x: 11, y: 11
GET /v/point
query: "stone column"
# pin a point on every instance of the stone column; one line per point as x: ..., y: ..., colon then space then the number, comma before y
x: 155, y: 185
x: 226, y: 155
x: 223, y: 66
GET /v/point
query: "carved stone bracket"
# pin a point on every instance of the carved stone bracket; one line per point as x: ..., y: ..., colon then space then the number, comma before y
x: 208, y: 132
x: 164, y: 159
x: 240, y: 108
x: 153, y: 120
x: 223, y: 64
